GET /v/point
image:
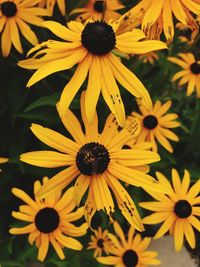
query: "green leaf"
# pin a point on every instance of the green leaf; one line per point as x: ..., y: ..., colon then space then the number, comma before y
x: 44, y: 114
x: 50, y: 100
x: 9, y: 246
x: 11, y: 263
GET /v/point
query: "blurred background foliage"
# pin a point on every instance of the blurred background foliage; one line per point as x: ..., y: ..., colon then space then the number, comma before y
x: 19, y: 107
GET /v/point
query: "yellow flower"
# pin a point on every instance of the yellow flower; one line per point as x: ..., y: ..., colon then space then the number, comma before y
x: 15, y: 15
x: 99, y: 9
x: 92, y: 47
x: 190, y: 74
x: 97, y: 162
x: 50, y: 221
x: 3, y: 160
x: 130, y: 252
x: 150, y: 57
x: 157, y: 16
x: 100, y: 242
x: 155, y: 125
x: 49, y: 4
x: 177, y: 211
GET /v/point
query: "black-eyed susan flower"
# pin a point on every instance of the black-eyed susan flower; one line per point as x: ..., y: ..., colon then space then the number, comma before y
x: 190, y: 73
x: 97, y: 162
x: 130, y: 252
x: 15, y: 15
x: 3, y: 160
x: 157, y: 16
x: 50, y: 4
x: 178, y: 211
x: 99, y: 9
x: 92, y: 47
x: 150, y: 57
x: 155, y: 125
x: 100, y: 242
x: 49, y: 221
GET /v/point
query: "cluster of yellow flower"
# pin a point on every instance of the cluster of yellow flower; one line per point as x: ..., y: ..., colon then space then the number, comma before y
x: 96, y: 161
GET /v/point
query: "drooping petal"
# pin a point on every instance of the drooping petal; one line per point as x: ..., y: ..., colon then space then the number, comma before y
x: 75, y: 83
x: 57, y: 65
x: 113, y: 96
x: 43, y: 248
x: 80, y: 187
x: 168, y: 24
x: 93, y: 88
x: 56, y: 246
x: 129, y: 81
x: 125, y: 203
x: 189, y: 234
x: 152, y: 14
x: 178, y: 234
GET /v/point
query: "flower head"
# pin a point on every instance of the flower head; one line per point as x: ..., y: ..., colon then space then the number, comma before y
x: 97, y: 161
x: 92, y: 47
x: 155, y: 125
x: 100, y: 242
x: 157, y: 16
x: 15, y: 15
x: 50, y: 221
x: 98, y: 10
x: 130, y: 252
x: 190, y: 73
x: 150, y: 57
x: 178, y: 211
x: 50, y: 4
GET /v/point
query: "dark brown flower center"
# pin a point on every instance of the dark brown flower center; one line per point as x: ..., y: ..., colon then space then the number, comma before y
x: 150, y: 122
x: 99, y: 5
x: 47, y: 220
x: 92, y: 158
x: 130, y: 258
x: 98, y: 38
x: 100, y: 243
x: 183, y: 209
x: 8, y: 9
x: 195, y: 68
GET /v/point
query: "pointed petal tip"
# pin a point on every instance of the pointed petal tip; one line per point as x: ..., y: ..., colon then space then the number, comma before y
x: 11, y: 231
x: 14, y: 191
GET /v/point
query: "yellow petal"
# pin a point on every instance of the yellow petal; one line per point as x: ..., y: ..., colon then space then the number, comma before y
x: 75, y: 83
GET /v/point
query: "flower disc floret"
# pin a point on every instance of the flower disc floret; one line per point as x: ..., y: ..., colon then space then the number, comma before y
x: 92, y: 158
x: 150, y: 122
x: 183, y: 209
x: 9, y: 9
x: 195, y: 68
x: 98, y: 38
x: 100, y: 243
x: 130, y: 258
x: 99, y: 6
x: 47, y: 220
